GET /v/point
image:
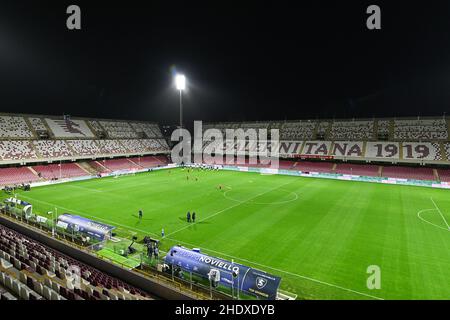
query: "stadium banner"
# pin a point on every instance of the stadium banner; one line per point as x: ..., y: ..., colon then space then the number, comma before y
x: 248, y: 280
x: 68, y: 128
x: 85, y: 225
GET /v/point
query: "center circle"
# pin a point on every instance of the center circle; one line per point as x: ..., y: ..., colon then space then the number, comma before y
x: 292, y: 197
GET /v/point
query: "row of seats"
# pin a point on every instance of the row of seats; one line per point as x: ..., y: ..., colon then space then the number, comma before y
x: 421, y: 129
x: 403, y: 129
x: 59, y: 171
x: 28, y: 150
x: 134, y: 163
x: 32, y: 271
x: 14, y: 127
x: 18, y: 126
x: 342, y: 130
x: 19, y: 175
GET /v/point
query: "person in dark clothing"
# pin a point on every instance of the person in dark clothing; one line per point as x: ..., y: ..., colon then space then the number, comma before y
x: 156, y: 252
x: 150, y: 250
x: 193, y: 216
x: 188, y: 217
x: 140, y: 214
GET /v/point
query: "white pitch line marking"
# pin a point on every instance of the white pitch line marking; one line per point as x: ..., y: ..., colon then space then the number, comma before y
x: 228, y: 208
x: 283, y: 271
x: 440, y: 212
x: 91, y: 216
x: 218, y: 252
x: 431, y: 223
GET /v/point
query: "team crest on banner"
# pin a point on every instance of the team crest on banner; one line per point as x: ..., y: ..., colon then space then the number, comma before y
x: 68, y: 128
x: 260, y: 282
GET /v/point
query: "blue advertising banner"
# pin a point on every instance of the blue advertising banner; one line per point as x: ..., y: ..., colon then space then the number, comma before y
x: 87, y: 226
x: 248, y: 280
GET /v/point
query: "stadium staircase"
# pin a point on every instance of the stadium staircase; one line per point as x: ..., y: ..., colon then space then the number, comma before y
x: 105, y: 169
x: 400, y: 150
x: 448, y: 125
x: 436, y: 175
x: 34, y: 171
x: 28, y: 122
x: 364, y: 148
x: 375, y: 130
x: 328, y: 131
x: 135, y: 163
x: 333, y: 169
x: 88, y: 124
x: 391, y: 130
x: 72, y: 151
x: 443, y: 153
x: 316, y: 129
x: 380, y: 171
x: 49, y: 131
x: 86, y: 167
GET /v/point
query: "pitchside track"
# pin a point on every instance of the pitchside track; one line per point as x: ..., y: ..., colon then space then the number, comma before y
x: 319, y: 235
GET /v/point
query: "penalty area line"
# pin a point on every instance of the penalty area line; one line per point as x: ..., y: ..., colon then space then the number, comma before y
x: 440, y: 212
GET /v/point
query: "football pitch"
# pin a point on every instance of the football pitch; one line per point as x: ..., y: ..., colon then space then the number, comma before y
x: 319, y: 235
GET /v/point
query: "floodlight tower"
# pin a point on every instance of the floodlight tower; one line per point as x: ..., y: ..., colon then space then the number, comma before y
x: 180, y: 83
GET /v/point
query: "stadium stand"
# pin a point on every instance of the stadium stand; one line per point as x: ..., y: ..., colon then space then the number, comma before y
x: 421, y: 141
x: 119, y: 164
x: 84, y: 147
x: 111, y: 147
x: 57, y: 171
x: 149, y: 161
x: 298, y: 130
x: 32, y: 271
x: 323, y: 128
x: 52, y: 148
x: 444, y: 175
x: 118, y: 129
x: 11, y: 175
x: 408, y: 173
x: 383, y: 127
x: 16, y: 150
x: 14, y: 127
x: 309, y: 166
x: 447, y: 150
x: 150, y: 130
x: 37, y: 124
x: 132, y: 145
x: 96, y: 126
x: 435, y: 129
x: 358, y: 169
x: 99, y: 166
x: 351, y: 130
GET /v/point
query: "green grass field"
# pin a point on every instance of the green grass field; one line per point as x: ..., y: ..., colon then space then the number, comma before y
x: 319, y: 235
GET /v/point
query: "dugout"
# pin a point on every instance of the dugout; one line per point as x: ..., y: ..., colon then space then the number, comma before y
x: 87, y: 227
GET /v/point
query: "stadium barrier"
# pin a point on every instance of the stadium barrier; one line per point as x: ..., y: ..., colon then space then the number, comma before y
x: 347, y: 177
x: 139, y: 280
x: 88, y: 177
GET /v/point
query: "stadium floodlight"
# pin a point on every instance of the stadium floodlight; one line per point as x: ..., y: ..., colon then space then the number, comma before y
x: 180, y: 83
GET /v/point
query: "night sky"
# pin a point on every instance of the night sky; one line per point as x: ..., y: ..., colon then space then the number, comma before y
x: 243, y: 60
